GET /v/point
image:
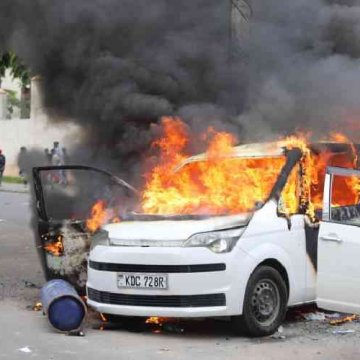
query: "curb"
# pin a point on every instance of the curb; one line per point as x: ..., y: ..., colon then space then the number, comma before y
x: 25, y: 191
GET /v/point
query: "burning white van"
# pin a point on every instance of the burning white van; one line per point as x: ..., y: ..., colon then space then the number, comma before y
x: 248, y: 265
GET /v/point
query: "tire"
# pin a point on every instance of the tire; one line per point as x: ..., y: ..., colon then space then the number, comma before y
x: 265, y: 304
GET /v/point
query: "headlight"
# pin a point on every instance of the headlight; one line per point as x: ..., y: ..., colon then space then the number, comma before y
x: 101, y: 237
x: 217, y: 241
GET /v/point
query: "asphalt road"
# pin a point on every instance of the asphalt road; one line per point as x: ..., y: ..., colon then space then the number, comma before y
x: 25, y: 333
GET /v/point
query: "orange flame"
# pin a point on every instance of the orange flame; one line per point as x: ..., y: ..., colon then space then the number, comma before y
x: 98, y: 216
x: 154, y: 320
x: 55, y: 248
x: 101, y: 215
x: 219, y: 182
x: 343, y: 320
x: 38, y: 306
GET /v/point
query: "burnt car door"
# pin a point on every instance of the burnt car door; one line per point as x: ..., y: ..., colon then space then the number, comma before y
x: 338, y: 282
x: 65, y: 199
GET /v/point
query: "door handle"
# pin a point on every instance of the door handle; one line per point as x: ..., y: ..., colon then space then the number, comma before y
x: 332, y: 237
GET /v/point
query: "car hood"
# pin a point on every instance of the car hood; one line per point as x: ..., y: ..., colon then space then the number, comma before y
x: 172, y: 229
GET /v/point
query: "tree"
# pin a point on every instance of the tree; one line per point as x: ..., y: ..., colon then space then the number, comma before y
x: 9, y: 60
x: 4, y: 64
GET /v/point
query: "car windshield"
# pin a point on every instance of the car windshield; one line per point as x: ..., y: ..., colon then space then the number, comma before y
x: 220, y: 186
x: 70, y: 194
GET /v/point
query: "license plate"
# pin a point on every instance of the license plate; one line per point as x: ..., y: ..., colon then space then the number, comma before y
x: 142, y: 281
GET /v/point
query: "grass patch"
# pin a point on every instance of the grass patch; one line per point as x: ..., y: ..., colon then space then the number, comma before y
x: 12, y: 180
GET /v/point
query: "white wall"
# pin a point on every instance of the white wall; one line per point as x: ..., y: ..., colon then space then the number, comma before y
x: 9, y: 83
x: 34, y: 132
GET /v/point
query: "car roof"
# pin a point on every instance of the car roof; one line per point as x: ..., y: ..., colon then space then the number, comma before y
x: 274, y: 149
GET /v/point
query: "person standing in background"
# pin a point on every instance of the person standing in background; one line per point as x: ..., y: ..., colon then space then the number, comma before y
x: 58, y: 160
x: 58, y: 153
x: 2, y: 165
x: 23, y: 163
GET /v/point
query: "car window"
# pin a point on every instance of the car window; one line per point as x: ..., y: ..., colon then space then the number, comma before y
x: 323, y: 160
x: 69, y: 194
x: 344, y: 204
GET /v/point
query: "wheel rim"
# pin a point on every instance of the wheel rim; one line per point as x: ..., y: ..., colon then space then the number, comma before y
x: 265, y: 302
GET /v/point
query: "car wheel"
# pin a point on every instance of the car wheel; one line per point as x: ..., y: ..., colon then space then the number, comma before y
x: 265, y: 304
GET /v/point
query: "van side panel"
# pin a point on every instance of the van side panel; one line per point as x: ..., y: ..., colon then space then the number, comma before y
x: 268, y: 237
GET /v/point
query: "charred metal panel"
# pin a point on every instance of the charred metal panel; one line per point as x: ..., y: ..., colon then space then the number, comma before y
x: 63, y: 243
x: 311, y: 235
x: 71, y: 265
x: 293, y: 158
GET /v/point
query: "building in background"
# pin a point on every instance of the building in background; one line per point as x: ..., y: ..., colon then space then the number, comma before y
x: 31, y: 129
x: 14, y: 98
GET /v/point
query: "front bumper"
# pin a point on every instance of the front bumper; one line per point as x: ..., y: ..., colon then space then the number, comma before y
x: 201, y: 283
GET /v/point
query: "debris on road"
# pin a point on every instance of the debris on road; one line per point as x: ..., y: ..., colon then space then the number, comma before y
x: 37, y: 307
x: 76, y: 333
x: 25, y: 349
x: 279, y: 335
x: 333, y: 316
x: 343, y: 332
x: 315, y: 316
x: 30, y: 284
x: 344, y: 319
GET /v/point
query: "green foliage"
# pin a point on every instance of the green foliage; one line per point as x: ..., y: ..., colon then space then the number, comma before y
x: 13, y: 101
x: 10, y: 61
x: 13, y: 180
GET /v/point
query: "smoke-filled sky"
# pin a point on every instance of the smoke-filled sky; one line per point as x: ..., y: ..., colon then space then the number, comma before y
x: 116, y: 66
x: 304, y: 66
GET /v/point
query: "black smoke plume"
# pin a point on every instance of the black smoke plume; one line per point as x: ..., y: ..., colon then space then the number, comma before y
x: 303, y: 67
x: 116, y: 67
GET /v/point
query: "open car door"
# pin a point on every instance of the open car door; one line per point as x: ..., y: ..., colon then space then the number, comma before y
x: 65, y: 197
x: 338, y: 285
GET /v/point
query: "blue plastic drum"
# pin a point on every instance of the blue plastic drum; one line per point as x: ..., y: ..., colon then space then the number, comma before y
x: 63, y: 306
